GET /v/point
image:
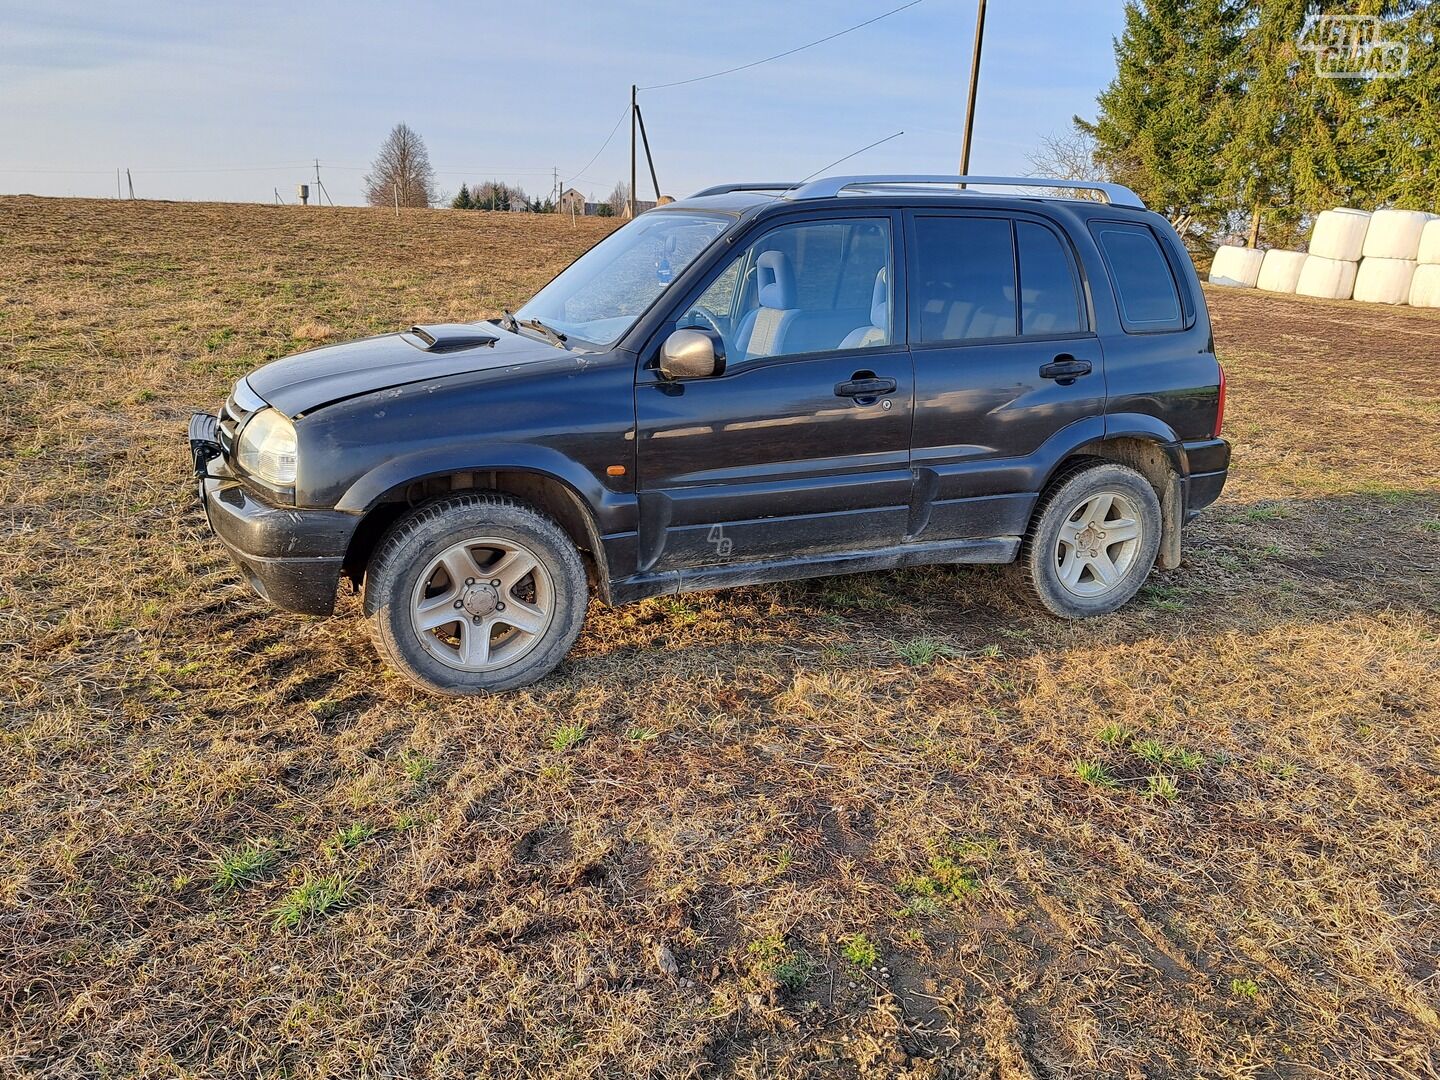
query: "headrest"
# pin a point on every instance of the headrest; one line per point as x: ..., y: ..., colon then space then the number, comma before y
x: 880, y: 301
x: 777, y: 280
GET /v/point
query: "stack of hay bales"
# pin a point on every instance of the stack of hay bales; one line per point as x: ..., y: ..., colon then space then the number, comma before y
x: 1392, y: 249
x: 1336, y: 246
x: 1236, y: 266
x: 1280, y: 272
x: 1425, y: 285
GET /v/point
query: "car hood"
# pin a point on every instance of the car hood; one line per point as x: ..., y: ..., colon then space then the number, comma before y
x: 311, y: 380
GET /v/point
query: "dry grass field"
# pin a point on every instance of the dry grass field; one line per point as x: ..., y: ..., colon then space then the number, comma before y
x: 896, y: 825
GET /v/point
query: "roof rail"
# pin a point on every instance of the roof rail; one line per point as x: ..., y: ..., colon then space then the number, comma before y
x: 722, y: 189
x: 831, y: 186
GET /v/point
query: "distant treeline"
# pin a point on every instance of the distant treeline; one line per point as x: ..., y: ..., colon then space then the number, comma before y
x: 494, y: 195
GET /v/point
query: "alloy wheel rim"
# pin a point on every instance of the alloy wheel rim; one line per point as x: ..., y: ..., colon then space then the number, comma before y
x: 482, y: 604
x: 1098, y: 544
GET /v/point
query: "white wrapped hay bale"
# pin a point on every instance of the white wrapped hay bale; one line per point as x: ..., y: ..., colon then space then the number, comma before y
x: 1425, y: 286
x: 1340, y: 234
x: 1280, y: 272
x: 1394, y: 234
x: 1328, y: 279
x: 1430, y: 243
x: 1384, y: 281
x: 1239, y: 266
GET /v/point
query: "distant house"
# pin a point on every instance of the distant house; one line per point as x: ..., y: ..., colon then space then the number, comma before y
x: 573, y: 202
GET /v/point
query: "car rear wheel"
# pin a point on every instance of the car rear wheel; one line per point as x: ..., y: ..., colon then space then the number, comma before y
x: 475, y: 594
x: 1093, y: 541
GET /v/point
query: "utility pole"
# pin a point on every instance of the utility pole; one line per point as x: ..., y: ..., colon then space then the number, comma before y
x: 648, y: 159
x: 117, y: 184
x: 974, y: 86
x: 634, y: 116
x: 131, y: 184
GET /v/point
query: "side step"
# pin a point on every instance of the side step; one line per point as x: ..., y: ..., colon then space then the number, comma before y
x: 994, y: 549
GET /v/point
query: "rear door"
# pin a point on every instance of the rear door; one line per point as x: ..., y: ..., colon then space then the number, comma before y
x: 1006, y: 359
x: 790, y: 453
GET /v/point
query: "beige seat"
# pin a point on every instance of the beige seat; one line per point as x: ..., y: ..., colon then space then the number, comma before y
x: 878, y: 330
x: 762, y: 332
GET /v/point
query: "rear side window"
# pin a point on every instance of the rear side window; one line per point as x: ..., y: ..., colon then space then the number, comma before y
x: 1049, y: 293
x: 1149, y: 300
x: 963, y: 288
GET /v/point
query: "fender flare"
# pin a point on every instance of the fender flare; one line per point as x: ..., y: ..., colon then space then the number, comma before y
x: 367, y: 492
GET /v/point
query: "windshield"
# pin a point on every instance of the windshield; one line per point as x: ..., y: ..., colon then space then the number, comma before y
x: 600, y: 295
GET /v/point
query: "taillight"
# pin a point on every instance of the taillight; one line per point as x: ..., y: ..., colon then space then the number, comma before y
x: 1220, y: 411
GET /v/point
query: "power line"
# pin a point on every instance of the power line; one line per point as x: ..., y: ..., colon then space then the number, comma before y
x: 618, y: 121
x: 787, y: 52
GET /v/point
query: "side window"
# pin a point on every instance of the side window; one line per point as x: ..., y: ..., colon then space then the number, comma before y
x: 816, y: 286
x: 1149, y: 300
x: 1049, y: 292
x: 963, y: 288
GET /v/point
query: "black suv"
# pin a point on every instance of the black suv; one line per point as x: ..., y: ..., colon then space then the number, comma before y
x: 757, y: 383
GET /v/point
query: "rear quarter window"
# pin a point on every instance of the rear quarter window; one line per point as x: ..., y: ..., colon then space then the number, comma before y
x: 1144, y: 284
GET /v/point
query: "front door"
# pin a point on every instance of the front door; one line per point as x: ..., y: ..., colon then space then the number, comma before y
x: 1005, y: 360
x: 801, y: 447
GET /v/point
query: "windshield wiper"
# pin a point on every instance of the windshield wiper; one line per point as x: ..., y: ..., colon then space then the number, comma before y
x: 535, y: 324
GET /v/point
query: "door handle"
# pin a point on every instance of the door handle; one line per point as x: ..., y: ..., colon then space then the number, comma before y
x: 1065, y: 369
x: 868, y: 386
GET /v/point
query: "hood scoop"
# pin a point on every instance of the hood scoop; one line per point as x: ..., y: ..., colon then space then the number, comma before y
x: 449, y: 337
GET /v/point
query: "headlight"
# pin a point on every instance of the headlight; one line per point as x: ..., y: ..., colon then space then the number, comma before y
x: 267, y: 448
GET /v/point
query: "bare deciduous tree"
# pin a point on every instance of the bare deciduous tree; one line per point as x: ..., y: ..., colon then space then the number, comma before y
x: 619, y: 198
x: 401, y: 171
x: 1068, y: 157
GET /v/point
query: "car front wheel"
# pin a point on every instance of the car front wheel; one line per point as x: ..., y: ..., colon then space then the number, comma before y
x: 475, y: 594
x: 1093, y: 541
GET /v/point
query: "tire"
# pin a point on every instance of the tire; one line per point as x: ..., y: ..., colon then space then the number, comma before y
x: 446, y: 581
x: 1084, y: 556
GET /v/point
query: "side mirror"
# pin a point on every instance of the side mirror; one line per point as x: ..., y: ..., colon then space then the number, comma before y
x: 692, y: 354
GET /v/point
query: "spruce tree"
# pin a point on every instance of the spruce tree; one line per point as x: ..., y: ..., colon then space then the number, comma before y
x: 1161, y: 127
x: 462, y: 200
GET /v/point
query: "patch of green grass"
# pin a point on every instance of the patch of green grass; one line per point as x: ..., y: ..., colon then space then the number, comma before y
x: 416, y: 766
x: 244, y: 864
x: 312, y: 899
x: 1160, y: 786
x: 325, y: 709
x: 1430, y: 526
x: 1151, y: 750
x: 771, y: 956
x: 920, y: 651
x: 1094, y: 773
x: 218, y: 338
x: 1279, y: 769
x: 860, y: 951
x: 1245, y: 988
x: 945, y: 881
x: 640, y: 734
x: 1188, y: 760
x: 1163, y: 598
x: 1266, y: 513
x: 1114, y: 734
x: 349, y: 836
x: 567, y: 736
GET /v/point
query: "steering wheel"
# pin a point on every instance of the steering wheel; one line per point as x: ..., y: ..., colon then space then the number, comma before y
x: 707, y: 316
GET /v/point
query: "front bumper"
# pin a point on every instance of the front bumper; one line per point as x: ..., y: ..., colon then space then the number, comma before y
x: 292, y: 557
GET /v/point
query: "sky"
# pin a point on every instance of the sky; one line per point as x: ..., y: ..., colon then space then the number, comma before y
x: 222, y: 101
